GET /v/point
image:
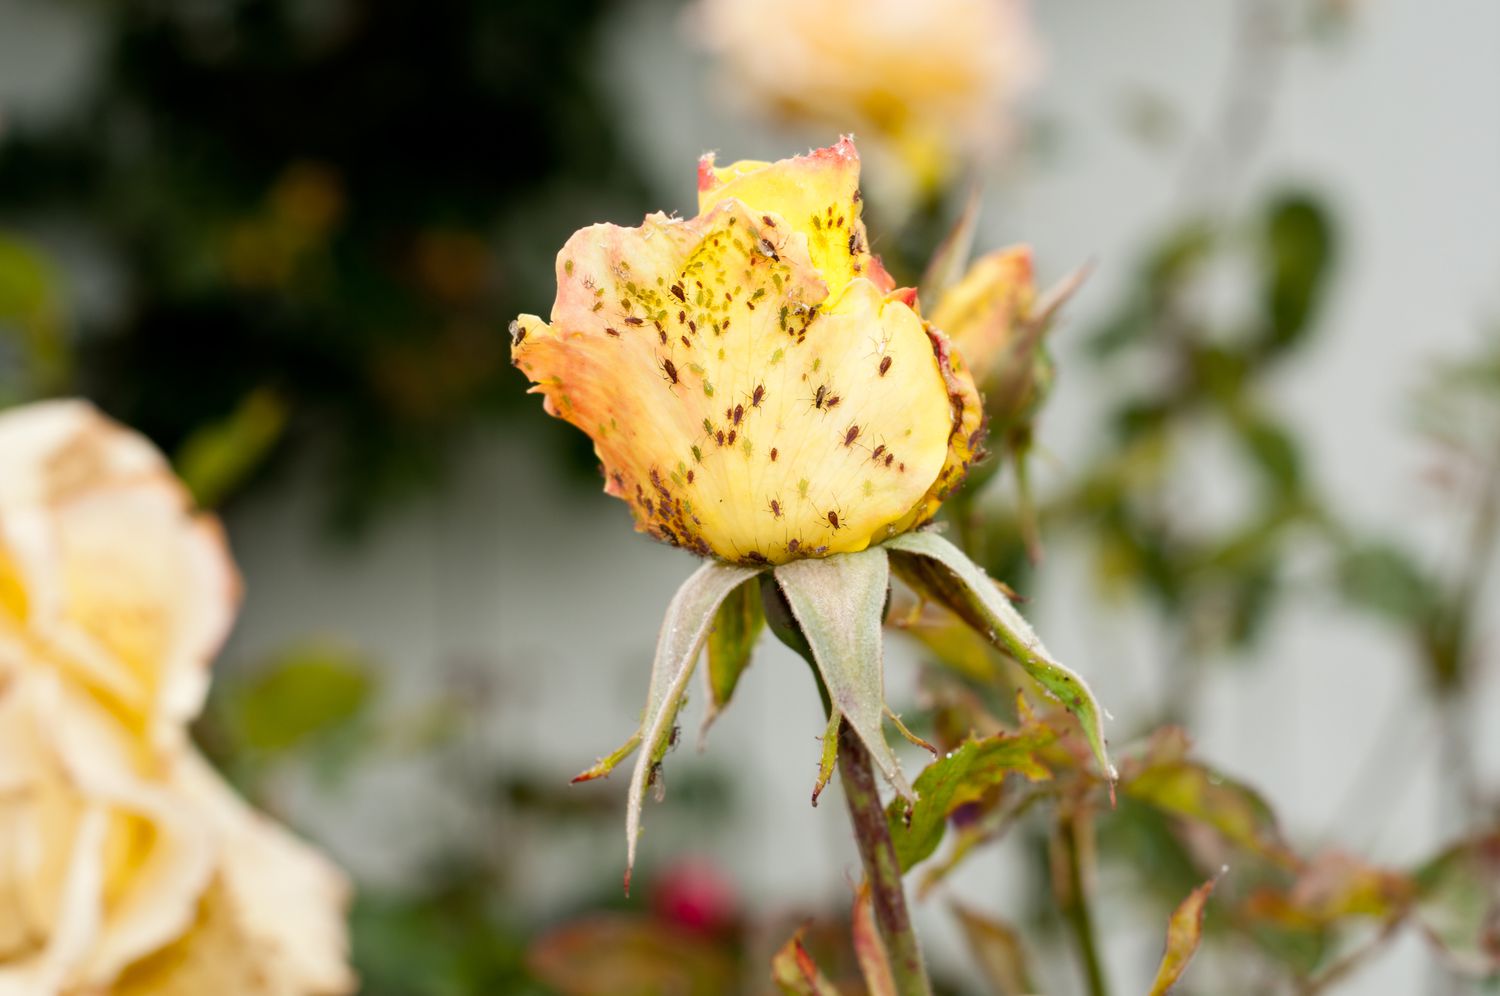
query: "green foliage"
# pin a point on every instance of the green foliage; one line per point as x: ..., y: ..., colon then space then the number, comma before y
x: 307, y: 692
x: 218, y: 458
x: 736, y: 628
x: 1297, y: 254
x: 35, y: 356
x: 962, y: 776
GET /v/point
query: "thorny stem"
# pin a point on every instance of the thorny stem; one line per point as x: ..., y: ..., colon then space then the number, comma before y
x: 882, y: 871
x: 1076, y: 905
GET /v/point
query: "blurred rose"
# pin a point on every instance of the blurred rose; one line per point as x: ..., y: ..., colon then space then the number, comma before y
x: 932, y: 82
x: 106, y: 573
x: 126, y: 865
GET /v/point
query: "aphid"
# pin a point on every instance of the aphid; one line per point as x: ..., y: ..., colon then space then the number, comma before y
x: 832, y: 402
x: 885, y: 364
x: 517, y: 333
x: 732, y: 436
x: 756, y: 557
x: 719, y: 437
x: 663, y: 333
x: 855, y: 246
x: 670, y: 369
x: 850, y: 435
x: 792, y: 545
x: 612, y: 331
x: 773, y: 454
x: 775, y: 508
x: 690, y: 477
x: 679, y: 293
x: 822, y: 393
x: 686, y: 341
x: 758, y: 395
x: 693, y: 327
x: 681, y: 317
x: 632, y: 320
x: 739, y: 413
x: 833, y: 519
x: 767, y: 219
x: 767, y: 248
x: 878, y: 451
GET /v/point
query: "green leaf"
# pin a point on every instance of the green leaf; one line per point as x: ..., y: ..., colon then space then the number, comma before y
x: 1458, y: 903
x: 1297, y: 255
x: 839, y: 602
x: 1167, y: 779
x: 217, y: 459
x: 998, y: 949
x: 796, y: 974
x: 1184, y: 932
x: 963, y: 776
x: 689, y: 616
x: 941, y: 571
x: 31, y: 310
x: 737, y: 626
x: 305, y: 692
x: 830, y: 758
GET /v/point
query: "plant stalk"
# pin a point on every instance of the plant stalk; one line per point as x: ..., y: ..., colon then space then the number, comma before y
x: 882, y: 871
x: 1076, y: 906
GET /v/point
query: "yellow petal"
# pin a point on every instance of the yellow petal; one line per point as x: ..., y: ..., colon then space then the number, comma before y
x: 981, y: 312
x: 818, y: 196
x: 109, y: 861
x: 740, y: 408
x: 104, y: 567
x: 272, y: 922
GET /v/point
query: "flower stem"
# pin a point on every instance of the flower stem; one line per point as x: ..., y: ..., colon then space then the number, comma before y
x: 882, y: 871
x: 1076, y: 906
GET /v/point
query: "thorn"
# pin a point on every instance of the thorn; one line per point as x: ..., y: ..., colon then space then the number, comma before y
x: 909, y: 735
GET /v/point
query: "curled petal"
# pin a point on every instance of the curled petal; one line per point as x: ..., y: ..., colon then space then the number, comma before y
x: 817, y: 194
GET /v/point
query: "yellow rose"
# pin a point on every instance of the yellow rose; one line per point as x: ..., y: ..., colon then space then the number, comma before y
x: 983, y: 312
x: 755, y: 388
x: 106, y: 573
x: 102, y: 858
x: 932, y: 81
x: 126, y: 865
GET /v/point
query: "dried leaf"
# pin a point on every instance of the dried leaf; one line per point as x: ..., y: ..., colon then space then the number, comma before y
x: 737, y: 626
x: 796, y: 974
x: 838, y: 603
x: 869, y: 948
x: 1184, y: 932
x: 941, y: 571
x: 1165, y: 777
x: 1332, y: 887
x: 687, y: 621
x: 606, y: 955
x: 963, y: 776
x: 998, y: 949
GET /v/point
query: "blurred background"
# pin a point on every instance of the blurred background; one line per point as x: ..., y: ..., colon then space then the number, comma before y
x: 284, y: 238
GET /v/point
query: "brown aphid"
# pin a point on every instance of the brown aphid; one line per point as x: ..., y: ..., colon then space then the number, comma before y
x: 738, y: 414
x: 663, y: 334
x: 833, y: 519
x: 775, y: 508
x: 774, y: 452
x: 792, y: 545
x: 632, y: 320
x: 850, y: 435
x: 679, y: 293
x: 758, y: 395
x: 767, y: 219
x: 832, y: 402
x: 820, y: 396
x: 670, y: 369
x: 719, y: 437
x: 889, y: 457
x: 885, y: 364
x: 517, y: 333
x: 878, y: 451
x: 686, y: 341
x: 733, y: 436
x: 855, y: 245
x: 767, y: 248
x: 612, y: 332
